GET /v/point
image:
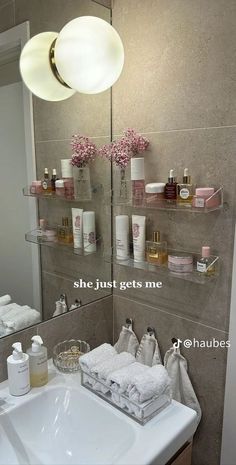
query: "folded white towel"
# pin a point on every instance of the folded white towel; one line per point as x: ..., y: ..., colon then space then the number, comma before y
x: 103, y: 369
x: 13, y: 310
x: 22, y: 319
x: 127, y: 341
x: 4, y: 309
x: 150, y: 384
x: 120, y: 379
x: 5, y: 300
x: 102, y: 352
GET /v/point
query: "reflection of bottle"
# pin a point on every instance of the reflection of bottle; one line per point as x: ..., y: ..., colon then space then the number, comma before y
x: 46, y: 184
x: 138, y: 181
x: 156, y: 250
x: 64, y: 232
x: 185, y: 190
x: 53, y: 180
x: 204, y: 264
x: 170, y: 187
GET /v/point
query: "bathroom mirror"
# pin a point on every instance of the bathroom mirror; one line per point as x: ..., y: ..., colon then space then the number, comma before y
x: 36, y: 134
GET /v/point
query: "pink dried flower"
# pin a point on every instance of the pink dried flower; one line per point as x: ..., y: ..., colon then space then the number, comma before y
x: 84, y: 151
x: 138, y: 143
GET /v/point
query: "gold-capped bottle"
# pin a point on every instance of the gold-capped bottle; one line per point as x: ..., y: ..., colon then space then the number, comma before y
x: 156, y: 250
x: 185, y: 190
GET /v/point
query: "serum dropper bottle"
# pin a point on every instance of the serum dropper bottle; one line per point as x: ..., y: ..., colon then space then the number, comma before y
x: 171, y: 187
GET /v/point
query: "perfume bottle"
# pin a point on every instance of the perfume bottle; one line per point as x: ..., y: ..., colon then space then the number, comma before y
x: 156, y: 250
x: 46, y: 183
x: 53, y: 180
x: 65, y: 232
x: 204, y: 265
x: 185, y: 190
x: 138, y: 181
x: 171, y: 187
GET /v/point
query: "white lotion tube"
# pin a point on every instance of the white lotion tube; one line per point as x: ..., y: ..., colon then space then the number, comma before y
x: 89, y: 232
x: 122, y: 237
x: 77, y: 222
x: 138, y: 232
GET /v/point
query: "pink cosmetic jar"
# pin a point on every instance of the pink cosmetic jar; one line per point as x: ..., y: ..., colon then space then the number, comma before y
x: 201, y: 195
x: 60, y: 187
x: 180, y: 263
x: 36, y: 187
x: 154, y: 192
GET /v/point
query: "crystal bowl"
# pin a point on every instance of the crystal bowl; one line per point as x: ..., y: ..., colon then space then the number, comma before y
x: 66, y: 355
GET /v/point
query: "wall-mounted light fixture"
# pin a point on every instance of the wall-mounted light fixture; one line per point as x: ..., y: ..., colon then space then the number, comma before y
x: 87, y: 56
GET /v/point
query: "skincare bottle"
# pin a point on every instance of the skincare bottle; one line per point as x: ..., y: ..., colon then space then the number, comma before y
x: 67, y: 176
x: 38, y: 362
x: 138, y: 181
x: 89, y: 232
x: 46, y: 183
x: 18, y: 371
x: 138, y: 233
x: 204, y: 263
x: 64, y: 231
x: 156, y: 250
x: 185, y: 190
x: 171, y: 187
x: 77, y: 223
x: 122, y: 237
x: 53, y: 180
x: 60, y: 188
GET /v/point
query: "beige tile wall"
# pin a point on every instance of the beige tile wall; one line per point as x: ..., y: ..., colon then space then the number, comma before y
x: 178, y: 89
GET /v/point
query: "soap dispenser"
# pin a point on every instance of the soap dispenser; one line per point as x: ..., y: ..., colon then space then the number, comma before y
x: 38, y: 362
x: 18, y: 371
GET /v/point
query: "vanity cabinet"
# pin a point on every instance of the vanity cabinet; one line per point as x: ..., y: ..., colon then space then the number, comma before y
x: 183, y: 456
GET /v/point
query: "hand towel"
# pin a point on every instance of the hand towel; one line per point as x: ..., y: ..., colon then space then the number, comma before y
x: 103, y: 369
x: 102, y: 352
x: 127, y: 341
x: 4, y: 309
x: 5, y: 300
x: 150, y: 384
x: 149, y: 352
x: 120, y: 379
x: 27, y: 317
x: 182, y: 388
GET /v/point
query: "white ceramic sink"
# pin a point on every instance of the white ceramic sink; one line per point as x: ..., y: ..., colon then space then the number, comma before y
x: 63, y: 423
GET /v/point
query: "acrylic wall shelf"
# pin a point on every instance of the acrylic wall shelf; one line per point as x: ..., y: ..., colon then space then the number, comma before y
x: 95, y: 191
x: 213, y: 203
x: 163, y: 272
x: 36, y: 237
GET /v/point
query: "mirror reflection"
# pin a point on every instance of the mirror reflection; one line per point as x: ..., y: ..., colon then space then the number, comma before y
x: 43, y: 195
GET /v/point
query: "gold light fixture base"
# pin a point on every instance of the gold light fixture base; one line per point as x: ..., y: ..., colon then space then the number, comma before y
x: 54, y: 69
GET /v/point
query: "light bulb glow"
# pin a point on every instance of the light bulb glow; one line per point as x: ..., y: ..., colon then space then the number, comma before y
x: 89, y: 54
x: 36, y: 70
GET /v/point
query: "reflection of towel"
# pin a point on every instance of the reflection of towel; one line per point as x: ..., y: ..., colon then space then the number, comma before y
x: 6, y: 309
x: 149, y: 352
x: 103, y: 352
x: 127, y: 341
x: 120, y: 379
x: 4, y: 300
x: 26, y: 317
x: 103, y: 369
x: 13, y: 311
x: 152, y: 384
x: 182, y: 389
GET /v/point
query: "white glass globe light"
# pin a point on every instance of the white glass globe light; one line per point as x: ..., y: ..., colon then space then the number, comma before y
x: 36, y: 70
x: 89, y: 54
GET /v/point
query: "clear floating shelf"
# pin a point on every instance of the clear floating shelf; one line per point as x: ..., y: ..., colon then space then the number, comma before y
x: 95, y: 191
x: 162, y: 271
x: 213, y: 203
x: 37, y: 237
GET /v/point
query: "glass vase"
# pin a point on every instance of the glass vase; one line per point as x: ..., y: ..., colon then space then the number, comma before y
x: 123, y: 187
x: 82, y: 184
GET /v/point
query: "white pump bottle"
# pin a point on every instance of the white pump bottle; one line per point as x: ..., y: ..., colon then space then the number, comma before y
x: 38, y: 362
x: 18, y: 371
